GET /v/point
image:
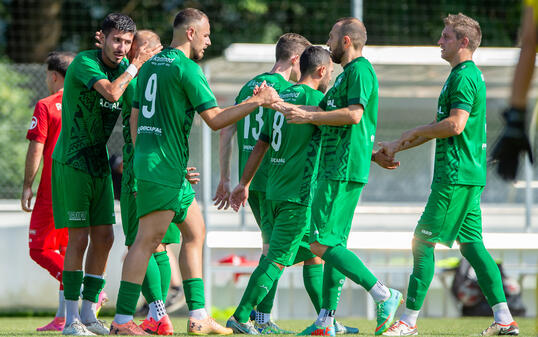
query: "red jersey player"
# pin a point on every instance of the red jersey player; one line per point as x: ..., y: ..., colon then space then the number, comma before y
x: 47, y: 244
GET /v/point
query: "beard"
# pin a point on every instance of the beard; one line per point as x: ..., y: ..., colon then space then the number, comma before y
x: 323, y: 87
x: 197, y: 55
x: 337, y: 54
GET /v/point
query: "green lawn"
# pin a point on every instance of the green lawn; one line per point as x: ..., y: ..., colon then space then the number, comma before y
x: 25, y: 326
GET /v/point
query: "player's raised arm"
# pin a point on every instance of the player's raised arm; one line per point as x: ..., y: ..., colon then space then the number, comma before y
x: 217, y: 118
x: 240, y: 193
x: 303, y: 114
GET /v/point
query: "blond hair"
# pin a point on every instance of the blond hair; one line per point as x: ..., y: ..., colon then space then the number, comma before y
x: 465, y: 26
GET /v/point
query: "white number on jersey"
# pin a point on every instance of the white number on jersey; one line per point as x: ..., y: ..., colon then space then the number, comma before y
x: 278, y: 121
x: 255, y: 130
x: 149, y: 94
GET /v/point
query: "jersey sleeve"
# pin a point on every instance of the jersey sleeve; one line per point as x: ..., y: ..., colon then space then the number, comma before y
x: 88, y: 71
x: 265, y: 132
x: 197, y: 89
x: 38, y: 129
x: 462, y: 93
x: 360, y: 87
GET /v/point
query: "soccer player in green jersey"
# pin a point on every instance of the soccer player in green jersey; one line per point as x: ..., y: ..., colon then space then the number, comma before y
x: 453, y: 209
x: 292, y: 167
x: 170, y: 89
x: 288, y: 50
x: 348, y: 118
x: 81, y: 184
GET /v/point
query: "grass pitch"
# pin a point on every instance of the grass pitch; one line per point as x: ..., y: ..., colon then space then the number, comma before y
x: 25, y: 326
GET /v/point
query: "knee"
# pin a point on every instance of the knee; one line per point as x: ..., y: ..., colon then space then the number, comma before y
x: 105, y: 239
x: 313, y: 261
x: 78, y: 242
x: 194, y: 237
x: 318, y: 249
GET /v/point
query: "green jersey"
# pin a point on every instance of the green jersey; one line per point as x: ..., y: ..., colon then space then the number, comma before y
x: 294, y: 149
x: 346, y: 150
x: 461, y: 159
x: 170, y: 88
x: 127, y: 178
x: 87, y: 117
x: 250, y: 127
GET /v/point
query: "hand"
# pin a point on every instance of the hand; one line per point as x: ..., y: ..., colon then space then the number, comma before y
x: 100, y: 38
x: 511, y: 143
x: 26, y: 199
x: 144, y: 53
x: 294, y: 114
x: 258, y: 88
x: 389, y: 148
x: 268, y: 96
x: 406, y: 138
x: 222, y: 195
x: 192, y: 176
x: 239, y: 197
x: 384, y: 160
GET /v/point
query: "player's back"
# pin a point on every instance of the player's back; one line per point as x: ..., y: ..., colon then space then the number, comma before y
x: 294, y: 149
x: 170, y: 88
x: 250, y: 127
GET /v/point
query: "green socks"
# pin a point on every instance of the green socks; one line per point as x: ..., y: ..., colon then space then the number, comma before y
x: 266, y: 305
x: 260, y: 284
x: 92, y: 288
x: 420, y: 279
x: 313, y: 283
x: 487, y: 271
x: 349, y: 264
x: 166, y: 273
x: 72, y: 281
x: 194, y: 293
x: 151, y: 287
x: 333, y: 280
x: 127, y: 298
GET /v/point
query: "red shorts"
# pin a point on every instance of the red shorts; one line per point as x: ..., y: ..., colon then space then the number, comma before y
x: 42, y: 234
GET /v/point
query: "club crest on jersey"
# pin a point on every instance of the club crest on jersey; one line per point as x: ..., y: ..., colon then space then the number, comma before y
x: 33, y: 123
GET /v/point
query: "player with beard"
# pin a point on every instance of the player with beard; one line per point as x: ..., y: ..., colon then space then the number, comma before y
x: 347, y: 116
x: 82, y: 196
x: 171, y: 88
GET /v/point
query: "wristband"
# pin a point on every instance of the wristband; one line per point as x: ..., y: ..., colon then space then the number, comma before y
x: 132, y: 70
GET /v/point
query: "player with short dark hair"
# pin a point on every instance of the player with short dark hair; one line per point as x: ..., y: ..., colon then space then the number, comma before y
x: 47, y: 244
x: 170, y: 89
x: 288, y: 50
x: 82, y: 192
x: 293, y: 153
x: 347, y: 116
x: 452, y: 212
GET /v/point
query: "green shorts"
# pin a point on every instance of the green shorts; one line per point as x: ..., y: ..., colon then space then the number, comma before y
x: 452, y: 213
x: 333, y: 208
x: 79, y: 199
x: 129, y: 221
x: 260, y: 207
x: 152, y: 197
x: 289, y: 240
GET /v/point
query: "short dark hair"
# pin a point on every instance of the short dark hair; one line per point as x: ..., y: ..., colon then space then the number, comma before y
x: 59, y: 61
x: 312, y: 58
x: 118, y: 21
x: 187, y: 16
x: 290, y: 44
x: 355, y: 29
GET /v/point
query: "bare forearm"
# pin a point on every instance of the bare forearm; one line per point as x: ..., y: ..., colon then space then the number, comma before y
x: 448, y: 127
x: 525, y: 66
x: 218, y: 118
x: 253, y: 162
x: 112, y: 91
x: 416, y: 142
x: 133, y: 124
x: 225, y: 151
x: 33, y: 158
x: 344, y: 116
